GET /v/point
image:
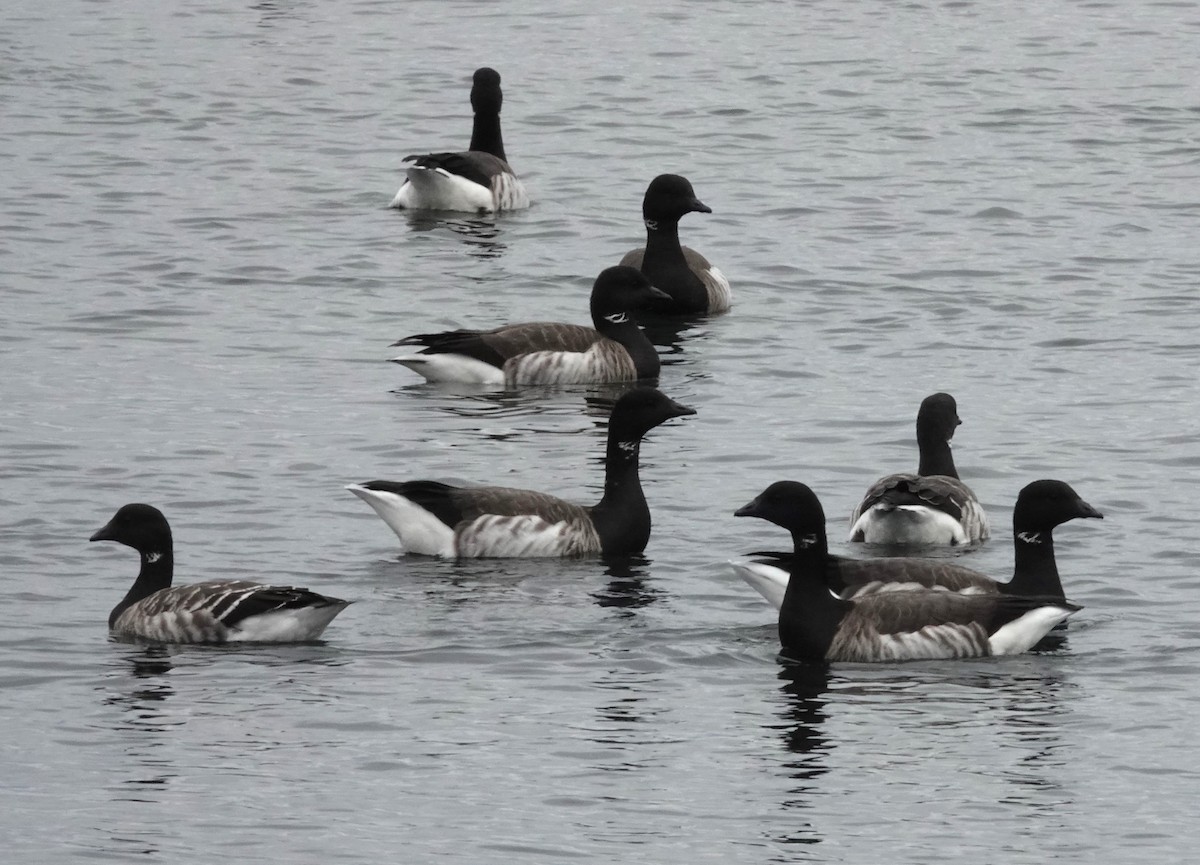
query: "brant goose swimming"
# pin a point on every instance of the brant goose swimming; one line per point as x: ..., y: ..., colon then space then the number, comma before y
x: 439, y: 520
x: 541, y: 352
x: 695, y: 286
x: 896, y: 612
x: 215, y: 611
x: 931, y: 507
x: 1041, y: 507
x: 478, y: 179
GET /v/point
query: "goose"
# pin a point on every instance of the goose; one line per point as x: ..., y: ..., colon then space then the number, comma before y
x: 931, y: 507
x: 1041, y: 507
x: 695, y: 286
x: 541, y: 352
x: 436, y: 519
x: 215, y: 611
x: 815, y: 623
x: 476, y: 180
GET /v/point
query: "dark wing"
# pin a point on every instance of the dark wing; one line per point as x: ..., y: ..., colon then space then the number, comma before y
x: 473, y: 165
x: 509, y: 502
x: 934, y: 491
x: 231, y: 601
x: 697, y: 262
x: 850, y: 577
x: 908, y: 612
x: 454, y: 505
x: 437, y: 498
x: 496, y: 346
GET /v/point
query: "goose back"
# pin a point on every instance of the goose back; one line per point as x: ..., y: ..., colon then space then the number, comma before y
x: 478, y: 179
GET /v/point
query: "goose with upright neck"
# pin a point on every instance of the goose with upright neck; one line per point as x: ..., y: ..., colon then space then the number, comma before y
x: 932, y: 507
x: 614, y: 350
x: 1041, y: 507
x: 476, y: 180
x: 818, y: 623
x: 437, y: 519
x: 215, y: 611
x: 694, y: 285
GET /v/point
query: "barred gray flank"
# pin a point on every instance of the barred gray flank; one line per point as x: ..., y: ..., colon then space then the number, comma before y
x: 605, y: 360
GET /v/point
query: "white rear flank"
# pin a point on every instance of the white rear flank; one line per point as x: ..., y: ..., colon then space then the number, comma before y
x: 720, y: 295
x: 438, y: 189
x: 1021, y: 635
x: 768, y: 580
x: 908, y: 524
x: 452, y: 368
x: 291, y: 625
x: 419, y: 531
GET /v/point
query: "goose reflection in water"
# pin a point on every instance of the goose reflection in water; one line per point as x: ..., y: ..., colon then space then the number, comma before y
x: 670, y: 332
x: 626, y: 590
x: 137, y: 683
x: 139, y: 689
x: 803, y: 715
x: 479, y: 235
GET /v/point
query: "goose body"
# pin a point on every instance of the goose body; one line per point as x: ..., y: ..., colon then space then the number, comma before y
x: 437, y: 519
x: 615, y: 349
x: 887, y: 609
x: 476, y: 180
x: 932, y: 507
x: 694, y: 285
x: 215, y: 611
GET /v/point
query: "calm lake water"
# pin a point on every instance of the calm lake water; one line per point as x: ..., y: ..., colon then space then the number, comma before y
x: 200, y: 280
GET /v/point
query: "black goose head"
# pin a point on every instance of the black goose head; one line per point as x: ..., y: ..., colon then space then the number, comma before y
x: 640, y: 410
x: 790, y: 505
x: 1043, y: 505
x: 620, y: 290
x: 486, y: 97
x: 142, y: 527
x: 669, y: 197
x: 937, y: 418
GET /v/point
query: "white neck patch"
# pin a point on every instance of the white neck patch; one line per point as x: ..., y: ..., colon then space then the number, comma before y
x: 153, y: 557
x: 617, y: 317
x: 652, y: 224
x: 1030, y: 537
x: 806, y: 541
x: 628, y: 447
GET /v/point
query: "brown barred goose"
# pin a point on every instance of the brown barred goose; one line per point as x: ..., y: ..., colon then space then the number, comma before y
x: 215, y: 611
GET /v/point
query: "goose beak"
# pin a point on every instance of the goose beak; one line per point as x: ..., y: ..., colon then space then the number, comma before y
x: 1086, y: 510
x: 657, y: 293
x: 678, y: 410
x: 104, y: 534
x: 747, y: 510
x: 699, y: 206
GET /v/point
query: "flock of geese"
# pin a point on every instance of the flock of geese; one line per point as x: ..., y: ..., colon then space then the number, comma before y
x: 831, y: 608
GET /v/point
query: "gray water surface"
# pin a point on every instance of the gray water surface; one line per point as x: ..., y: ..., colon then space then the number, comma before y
x: 199, y: 280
